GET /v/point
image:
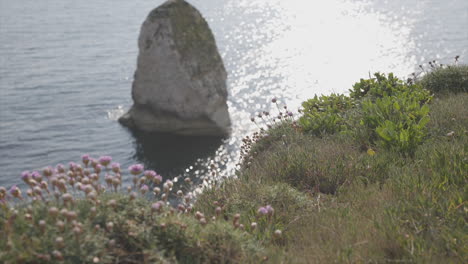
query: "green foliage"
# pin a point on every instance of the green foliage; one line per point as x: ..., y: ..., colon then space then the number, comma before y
x: 399, y: 121
x: 386, y: 110
x: 383, y: 86
x: 325, y: 114
x: 450, y: 79
x: 333, y: 202
x: 137, y: 234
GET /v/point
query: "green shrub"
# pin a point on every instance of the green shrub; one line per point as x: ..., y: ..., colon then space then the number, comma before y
x: 399, y: 121
x: 325, y: 114
x: 383, y: 86
x: 450, y: 79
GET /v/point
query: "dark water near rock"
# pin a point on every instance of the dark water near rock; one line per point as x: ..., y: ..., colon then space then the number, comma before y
x: 66, y: 69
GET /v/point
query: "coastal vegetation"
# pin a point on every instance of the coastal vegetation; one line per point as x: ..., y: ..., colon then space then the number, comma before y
x: 379, y: 175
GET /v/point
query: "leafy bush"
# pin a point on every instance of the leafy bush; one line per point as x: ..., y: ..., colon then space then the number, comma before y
x: 325, y: 114
x: 383, y: 86
x: 399, y: 122
x: 453, y: 78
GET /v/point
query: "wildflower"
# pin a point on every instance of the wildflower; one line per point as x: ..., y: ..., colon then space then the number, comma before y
x: 108, y: 179
x: 85, y: 180
x: 180, y: 193
x: 290, y: 114
x: 59, y: 242
x: 87, y: 188
x: 253, y: 225
x: 60, y: 168
x: 157, y: 179
x: 57, y: 255
x: 149, y: 174
x: 93, y: 211
x: 115, y: 167
x: 37, y: 190
x: 144, y: 189
x: 181, y: 207
x: 236, y: 217
x: 157, y: 207
x: 44, y: 186
x: 67, y: 198
x: 53, y: 212
x: 72, y: 166
x: 28, y: 217
x: 26, y: 176
x: 3, y: 192
x: 199, y: 215
x: 262, y: 211
x: 85, y: 159
x: 60, y: 225
x: 156, y: 190
x: 38, y: 177
x: 47, y: 171
x: 187, y: 198
x: 93, y: 162
x: 136, y: 169
x: 278, y: 233
x: 93, y: 177
x: 112, y: 203
x: 203, y: 221
x: 77, y: 230
x: 115, y: 182
x: 105, y: 160
x: 111, y: 243
x: 109, y: 226
x: 270, y: 210
x: 273, y: 100
x: 142, y: 180
x: 62, y: 185
x: 15, y: 192
x: 98, y: 168
x: 133, y: 195
x: 218, y: 210
x: 42, y: 225
x: 92, y: 195
x: 166, y: 187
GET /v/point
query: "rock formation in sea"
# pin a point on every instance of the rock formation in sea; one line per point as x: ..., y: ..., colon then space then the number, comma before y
x: 180, y: 82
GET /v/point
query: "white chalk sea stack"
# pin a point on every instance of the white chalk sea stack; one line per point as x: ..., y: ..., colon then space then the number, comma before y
x: 180, y: 82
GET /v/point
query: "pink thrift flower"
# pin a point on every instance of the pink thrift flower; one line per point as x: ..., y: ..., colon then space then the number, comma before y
x: 60, y: 168
x: 150, y: 174
x: 105, y: 160
x: 26, y: 176
x: 157, y: 179
x: 262, y: 211
x: 144, y: 189
x: 136, y: 169
x: 15, y: 192
x: 270, y: 210
x: 85, y: 159
x: 115, y: 167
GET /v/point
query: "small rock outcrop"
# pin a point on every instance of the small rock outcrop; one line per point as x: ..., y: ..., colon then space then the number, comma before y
x: 180, y: 83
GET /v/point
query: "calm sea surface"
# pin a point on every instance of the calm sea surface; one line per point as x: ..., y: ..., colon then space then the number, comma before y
x: 66, y: 70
